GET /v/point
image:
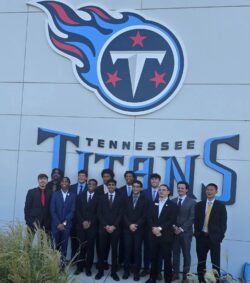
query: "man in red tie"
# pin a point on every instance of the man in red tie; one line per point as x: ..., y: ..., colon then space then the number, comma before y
x: 37, y: 205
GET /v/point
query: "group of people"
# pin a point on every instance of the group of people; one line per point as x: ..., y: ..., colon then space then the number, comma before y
x: 131, y: 221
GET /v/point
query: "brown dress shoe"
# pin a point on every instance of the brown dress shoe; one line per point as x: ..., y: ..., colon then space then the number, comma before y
x: 175, y: 276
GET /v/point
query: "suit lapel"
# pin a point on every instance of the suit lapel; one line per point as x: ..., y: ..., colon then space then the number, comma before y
x: 163, y: 208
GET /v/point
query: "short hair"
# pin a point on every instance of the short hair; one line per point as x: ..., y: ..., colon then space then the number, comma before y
x: 130, y: 172
x: 67, y: 178
x: 59, y: 171
x: 112, y: 181
x: 166, y: 186
x: 108, y: 171
x: 83, y: 172
x: 138, y: 182
x: 183, y: 183
x: 155, y: 175
x: 42, y: 175
x: 93, y: 180
x: 212, y: 185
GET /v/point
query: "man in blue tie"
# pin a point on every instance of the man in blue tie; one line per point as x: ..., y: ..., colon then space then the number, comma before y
x: 62, y: 209
x: 152, y: 195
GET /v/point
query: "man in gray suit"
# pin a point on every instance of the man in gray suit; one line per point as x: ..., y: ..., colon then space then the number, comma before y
x: 183, y: 231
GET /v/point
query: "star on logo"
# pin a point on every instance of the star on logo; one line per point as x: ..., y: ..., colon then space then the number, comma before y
x: 158, y: 79
x: 138, y: 39
x: 113, y: 79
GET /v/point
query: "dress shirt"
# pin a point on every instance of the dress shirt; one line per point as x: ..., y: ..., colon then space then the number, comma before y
x: 64, y: 194
x: 161, y: 204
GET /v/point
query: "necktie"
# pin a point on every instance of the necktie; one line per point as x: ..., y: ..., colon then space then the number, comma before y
x: 90, y: 197
x: 129, y: 191
x: 179, y: 202
x: 42, y: 197
x: 110, y: 200
x: 135, y: 199
x: 154, y: 194
x: 81, y: 186
x: 209, y: 208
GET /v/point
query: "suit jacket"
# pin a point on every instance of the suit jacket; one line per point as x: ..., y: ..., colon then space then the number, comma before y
x: 123, y: 192
x: 217, y: 224
x: 62, y: 210
x: 34, y: 212
x: 110, y: 215
x: 86, y: 211
x: 148, y: 194
x: 73, y: 188
x: 135, y: 215
x: 166, y: 220
x: 185, y: 216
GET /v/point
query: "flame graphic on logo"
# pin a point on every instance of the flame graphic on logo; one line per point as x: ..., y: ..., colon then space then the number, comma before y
x: 85, y: 38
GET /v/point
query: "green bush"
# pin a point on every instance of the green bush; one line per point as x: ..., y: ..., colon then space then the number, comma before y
x: 25, y: 258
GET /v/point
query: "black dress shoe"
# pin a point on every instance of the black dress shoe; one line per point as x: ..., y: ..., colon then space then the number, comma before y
x: 88, y: 272
x: 115, y: 277
x: 150, y: 280
x: 136, y: 277
x: 99, y: 275
x: 125, y: 275
x: 78, y: 271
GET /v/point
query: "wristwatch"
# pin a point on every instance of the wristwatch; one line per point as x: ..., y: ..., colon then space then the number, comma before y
x: 159, y: 228
x: 65, y: 223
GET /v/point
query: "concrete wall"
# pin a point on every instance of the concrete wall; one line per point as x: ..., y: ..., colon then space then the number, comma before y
x: 38, y: 89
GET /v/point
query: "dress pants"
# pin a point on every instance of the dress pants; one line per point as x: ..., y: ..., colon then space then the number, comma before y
x: 105, y: 241
x: 182, y: 242
x: 133, y: 249
x: 164, y: 247
x: 203, y: 245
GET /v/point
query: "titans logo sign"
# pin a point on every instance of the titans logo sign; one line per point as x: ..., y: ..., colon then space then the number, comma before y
x: 134, y: 65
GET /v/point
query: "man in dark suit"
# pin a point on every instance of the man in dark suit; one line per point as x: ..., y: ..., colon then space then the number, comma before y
x: 86, y: 212
x: 110, y: 211
x: 107, y: 174
x: 183, y: 230
x: 56, y: 177
x: 135, y: 212
x: 152, y: 195
x: 62, y: 209
x: 162, y: 217
x: 210, y: 224
x: 125, y: 192
x: 77, y: 188
x: 37, y: 205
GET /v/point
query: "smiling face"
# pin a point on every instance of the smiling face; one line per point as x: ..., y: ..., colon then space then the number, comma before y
x: 129, y: 178
x: 211, y: 191
x: 82, y: 178
x: 182, y: 190
x: 111, y: 187
x: 43, y: 181
x: 65, y: 184
x: 136, y: 188
x: 155, y: 182
x: 164, y: 192
x: 91, y: 186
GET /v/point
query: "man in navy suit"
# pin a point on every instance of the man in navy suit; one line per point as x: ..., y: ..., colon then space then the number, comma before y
x: 162, y: 217
x: 37, y: 205
x: 134, y: 220
x: 152, y: 195
x: 77, y: 188
x: 86, y: 212
x: 110, y: 211
x: 210, y: 225
x: 125, y: 192
x: 62, y: 209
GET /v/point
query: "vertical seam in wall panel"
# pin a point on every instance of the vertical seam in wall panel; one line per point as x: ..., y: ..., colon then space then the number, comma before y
x: 133, y: 148
x: 21, y: 115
